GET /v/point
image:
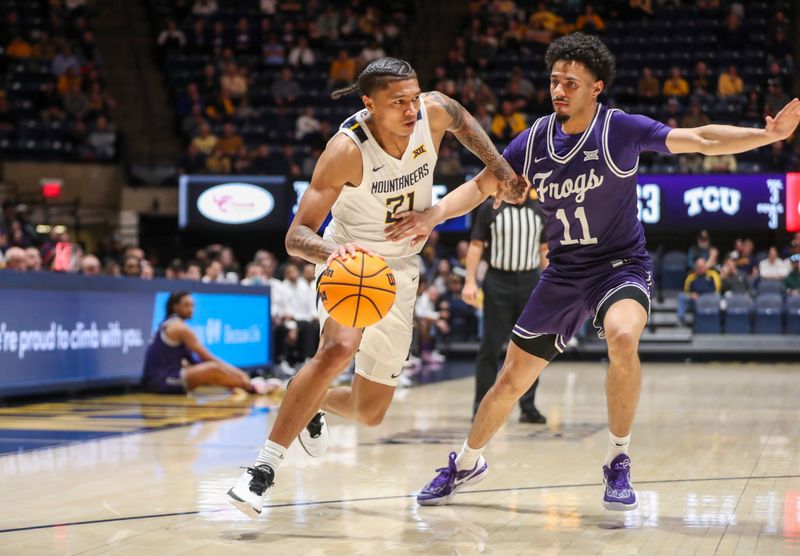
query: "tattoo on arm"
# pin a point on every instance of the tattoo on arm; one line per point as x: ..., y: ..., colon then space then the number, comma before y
x: 306, y: 243
x: 470, y: 134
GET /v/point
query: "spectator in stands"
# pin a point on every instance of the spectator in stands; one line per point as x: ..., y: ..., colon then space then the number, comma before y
x: 754, y: 107
x: 701, y: 280
x: 301, y: 54
x: 193, y: 271
x: 132, y: 266
x: 190, y: 98
x: 518, y: 101
x: 745, y: 261
x: 430, y: 322
x: 729, y: 83
x: 273, y: 53
x: 525, y: 86
x: 254, y: 275
x: 793, y: 248
x: 213, y: 273
x: 777, y: 158
x: 589, y: 21
x: 34, y: 259
x: 222, y: 108
x: 75, y: 102
x: 507, y: 123
x: 299, y: 314
x: 285, y: 90
x: 16, y: 259
x: 205, y: 8
x: 43, y: 49
x: 208, y: 83
x: 306, y: 124
x: 780, y: 49
x: 343, y: 70
x: 732, y: 280
x: 64, y: 60
x: 8, y: 118
x: 792, y: 281
x: 68, y: 80
x: 544, y: 18
x: 649, y: 87
x: 218, y: 162
x: 243, y: 39
x: 776, y: 72
x: 773, y: 267
x: 328, y: 23
x: 702, y: 81
x: 733, y: 34
x: 205, y: 141
x: 462, y: 319
x: 719, y: 164
x: 19, y: 48
x: 234, y: 82
x: 171, y: 40
x: 695, y: 117
x: 775, y: 98
x: 231, y: 143
x: 702, y: 249
x: 103, y: 139
x: 371, y: 52
x: 100, y: 102
x: 90, y: 265
x: 676, y: 85
x: 198, y: 41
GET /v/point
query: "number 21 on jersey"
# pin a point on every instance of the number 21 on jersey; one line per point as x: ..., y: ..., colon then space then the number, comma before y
x: 396, y: 203
x: 580, y: 214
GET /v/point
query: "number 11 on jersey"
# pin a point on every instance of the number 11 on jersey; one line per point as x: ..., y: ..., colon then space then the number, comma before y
x: 580, y: 214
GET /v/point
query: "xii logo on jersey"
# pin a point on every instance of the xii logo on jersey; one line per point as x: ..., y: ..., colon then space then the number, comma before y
x: 590, y: 155
x: 419, y: 150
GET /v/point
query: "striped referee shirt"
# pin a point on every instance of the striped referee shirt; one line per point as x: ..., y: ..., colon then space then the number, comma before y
x: 513, y: 234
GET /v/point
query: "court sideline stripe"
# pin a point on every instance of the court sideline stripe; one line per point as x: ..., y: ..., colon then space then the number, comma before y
x: 376, y: 498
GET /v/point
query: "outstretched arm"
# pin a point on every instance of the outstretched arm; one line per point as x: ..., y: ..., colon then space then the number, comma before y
x: 448, y: 113
x: 728, y: 139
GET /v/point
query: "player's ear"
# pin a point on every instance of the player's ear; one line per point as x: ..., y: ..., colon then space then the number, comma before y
x: 598, y: 87
x: 368, y: 103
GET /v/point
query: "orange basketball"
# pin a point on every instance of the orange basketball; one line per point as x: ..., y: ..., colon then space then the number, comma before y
x: 357, y: 291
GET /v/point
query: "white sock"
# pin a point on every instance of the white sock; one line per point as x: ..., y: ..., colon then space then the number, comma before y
x: 616, y: 445
x: 468, y: 457
x: 271, y: 454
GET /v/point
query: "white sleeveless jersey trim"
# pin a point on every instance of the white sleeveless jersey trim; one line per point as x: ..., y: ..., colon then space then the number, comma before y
x: 607, y: 152
x: 529, y: 147
x: 551, y: 133
x: 387, y: 185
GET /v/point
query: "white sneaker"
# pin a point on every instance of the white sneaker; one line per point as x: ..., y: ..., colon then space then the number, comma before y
x: 250, y: 490
x: 265, y: 386
x: 315, y: 437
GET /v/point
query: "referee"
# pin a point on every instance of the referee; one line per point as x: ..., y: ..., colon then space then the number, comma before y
x: 511, y: 236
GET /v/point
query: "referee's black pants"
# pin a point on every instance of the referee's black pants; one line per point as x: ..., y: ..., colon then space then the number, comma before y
x: 504, y: 296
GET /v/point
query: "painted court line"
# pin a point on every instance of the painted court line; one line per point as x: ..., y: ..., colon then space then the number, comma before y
x: 377, y: 498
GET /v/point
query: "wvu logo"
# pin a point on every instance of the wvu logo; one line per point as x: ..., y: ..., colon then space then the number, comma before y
x: 419, y: 150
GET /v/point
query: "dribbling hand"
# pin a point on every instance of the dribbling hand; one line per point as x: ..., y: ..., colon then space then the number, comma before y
x: 347, y: 250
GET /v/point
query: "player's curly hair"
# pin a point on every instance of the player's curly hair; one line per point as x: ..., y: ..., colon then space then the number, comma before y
x: 586, y: 49
x: 377, y: 75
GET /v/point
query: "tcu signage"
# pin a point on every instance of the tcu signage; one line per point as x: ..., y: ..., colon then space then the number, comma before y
x: 712, y: 199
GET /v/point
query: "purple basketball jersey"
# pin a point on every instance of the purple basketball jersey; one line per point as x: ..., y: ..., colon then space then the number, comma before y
x: 587, y: 185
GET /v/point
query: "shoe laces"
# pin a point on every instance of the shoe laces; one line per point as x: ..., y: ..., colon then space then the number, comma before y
x: 315, y: 425
x: 445, y: 476
x: 261, y: 480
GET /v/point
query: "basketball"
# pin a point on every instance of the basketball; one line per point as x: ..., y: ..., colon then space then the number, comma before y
x: 357, y: 291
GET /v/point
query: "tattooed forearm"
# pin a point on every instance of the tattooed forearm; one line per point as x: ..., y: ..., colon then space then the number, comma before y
x: 470, y: 134
x: 304, y: 242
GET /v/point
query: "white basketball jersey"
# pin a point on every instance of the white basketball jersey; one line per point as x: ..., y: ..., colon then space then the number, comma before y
x: 388, y: 186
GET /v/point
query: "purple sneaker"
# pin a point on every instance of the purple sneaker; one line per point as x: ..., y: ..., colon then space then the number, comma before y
x: 442, y: 489
x: 619, y: 495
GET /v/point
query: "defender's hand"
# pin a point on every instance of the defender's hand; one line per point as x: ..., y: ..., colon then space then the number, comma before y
x: 413, y: 224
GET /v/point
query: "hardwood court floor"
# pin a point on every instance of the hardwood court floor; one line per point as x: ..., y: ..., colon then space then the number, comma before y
x: 715, y: 461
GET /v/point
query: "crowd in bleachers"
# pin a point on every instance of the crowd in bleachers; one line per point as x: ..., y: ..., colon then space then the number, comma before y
x: 252, y: 80
x: 685, y: 63
x: 53, y: 99
x: 741, y: 292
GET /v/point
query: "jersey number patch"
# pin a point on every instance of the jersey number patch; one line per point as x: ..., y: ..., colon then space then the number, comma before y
x: 580, y: 214
x: 396, y: 203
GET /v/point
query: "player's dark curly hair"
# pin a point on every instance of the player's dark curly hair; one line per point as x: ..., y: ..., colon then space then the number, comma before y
x: 586, y: 49
x: 377, y: 75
